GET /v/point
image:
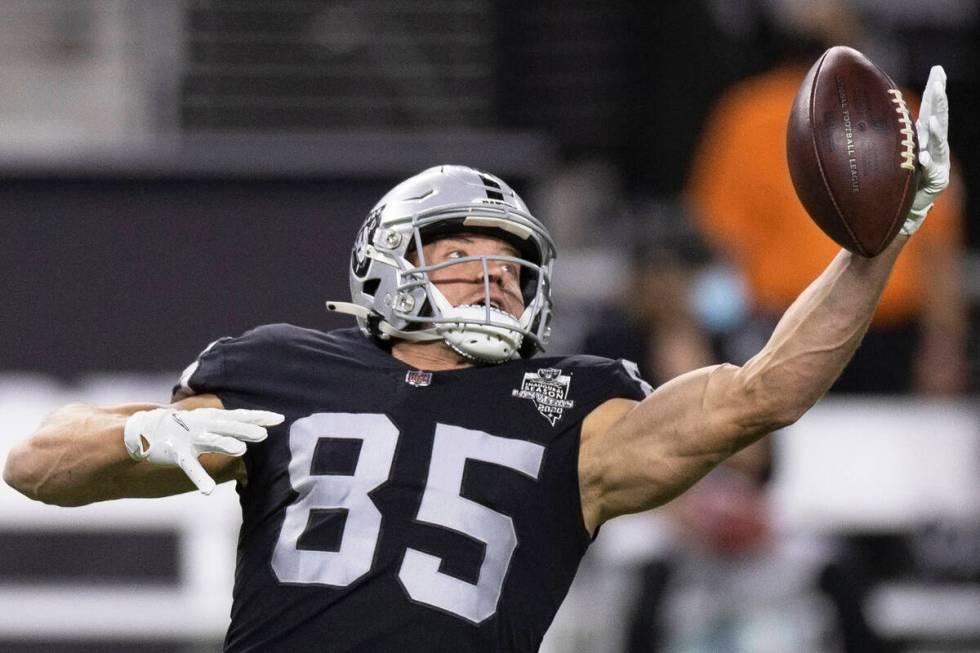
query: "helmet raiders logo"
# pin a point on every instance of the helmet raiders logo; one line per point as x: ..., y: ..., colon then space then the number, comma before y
x: 548, y: 391
x: 359, y: 259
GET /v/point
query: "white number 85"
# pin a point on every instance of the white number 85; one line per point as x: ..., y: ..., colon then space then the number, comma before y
x: 441, y: 505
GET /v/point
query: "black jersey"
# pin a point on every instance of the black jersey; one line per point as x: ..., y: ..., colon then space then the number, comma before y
x: 401, y: 510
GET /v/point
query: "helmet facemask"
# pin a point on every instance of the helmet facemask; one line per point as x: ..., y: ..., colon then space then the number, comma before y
x: 479, y: 329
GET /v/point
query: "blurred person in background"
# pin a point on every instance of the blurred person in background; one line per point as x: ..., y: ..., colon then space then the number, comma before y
x: 743, y: 199
x: 652, y: 321
x: 726, y: 579
x: 741, y: 193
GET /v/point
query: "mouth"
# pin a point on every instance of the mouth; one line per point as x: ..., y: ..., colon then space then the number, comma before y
x: 495, y: 304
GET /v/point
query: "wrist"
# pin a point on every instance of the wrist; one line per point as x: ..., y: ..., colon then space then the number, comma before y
x: 914, y: 220
x: 137, y: 445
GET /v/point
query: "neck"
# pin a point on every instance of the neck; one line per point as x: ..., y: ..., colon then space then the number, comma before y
x: 432, y: 356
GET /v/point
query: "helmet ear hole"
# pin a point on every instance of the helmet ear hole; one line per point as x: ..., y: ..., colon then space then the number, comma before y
x: 371, y: 286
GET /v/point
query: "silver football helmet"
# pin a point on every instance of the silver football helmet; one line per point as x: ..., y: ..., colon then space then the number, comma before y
x: 394, y: 298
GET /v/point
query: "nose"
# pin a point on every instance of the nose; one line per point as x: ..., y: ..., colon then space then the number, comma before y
x: 500, y: 272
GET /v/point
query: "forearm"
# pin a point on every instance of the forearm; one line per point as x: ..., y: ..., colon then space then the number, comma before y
x: 78, y: 456
x: 636, y: 456
x: 73, y: 456
x: 816, y: 337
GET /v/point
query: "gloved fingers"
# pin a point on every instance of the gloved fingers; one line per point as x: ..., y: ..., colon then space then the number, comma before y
x: 939, y: 140
x: 937, y: 167
x: 935, y: 176
x: 925, y: 160
x: 258, y: 417
x: 186, y: 459
x: 239, y: 430
x: 935, y: 90
x: 931, y: 128
x: 937, y: 74
x: 217, y: 443
x: 937, y: 82
x: 922, y: 132
x: 940, y: 105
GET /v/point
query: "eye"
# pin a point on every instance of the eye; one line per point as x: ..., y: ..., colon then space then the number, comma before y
x: 511, y: 268
x: 456, y: 253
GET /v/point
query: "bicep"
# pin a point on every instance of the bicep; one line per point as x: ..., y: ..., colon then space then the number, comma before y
x: 638, y: 455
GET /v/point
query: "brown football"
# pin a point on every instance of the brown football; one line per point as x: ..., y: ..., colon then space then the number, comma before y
x: 852, y: 151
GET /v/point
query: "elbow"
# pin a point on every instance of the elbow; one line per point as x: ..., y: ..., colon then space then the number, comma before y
x: 17, y: 474
x: 22, y: 472
x: 776, y: 410
x: 782, y: 416
x: 764, y: 409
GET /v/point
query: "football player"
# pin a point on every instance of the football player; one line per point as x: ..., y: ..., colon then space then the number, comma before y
x: 421, y: 482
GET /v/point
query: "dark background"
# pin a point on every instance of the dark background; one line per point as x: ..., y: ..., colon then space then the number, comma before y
x: 136, y: 260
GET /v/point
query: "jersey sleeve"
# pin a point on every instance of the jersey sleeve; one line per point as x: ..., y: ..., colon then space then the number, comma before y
x: 627, y: 375
x: 259, y: 363
x: 205, y: 375
x: 596, y: 380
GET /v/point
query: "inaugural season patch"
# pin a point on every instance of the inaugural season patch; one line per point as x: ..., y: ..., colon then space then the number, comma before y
x: 548, y: 390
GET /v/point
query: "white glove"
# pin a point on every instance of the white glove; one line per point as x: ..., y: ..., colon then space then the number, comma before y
x: 175, y: 438
x: 932, y: 128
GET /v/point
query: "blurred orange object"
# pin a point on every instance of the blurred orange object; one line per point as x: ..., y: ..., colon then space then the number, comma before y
x: 745, y: 203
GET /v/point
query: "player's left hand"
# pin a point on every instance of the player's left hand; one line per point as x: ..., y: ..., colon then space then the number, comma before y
x: 175, y: 438
x: 932, y: 128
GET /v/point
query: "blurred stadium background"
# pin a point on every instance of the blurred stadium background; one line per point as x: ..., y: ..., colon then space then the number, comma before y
x: 178, y: 171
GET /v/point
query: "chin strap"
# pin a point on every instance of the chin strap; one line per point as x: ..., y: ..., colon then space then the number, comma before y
x: 480, y: 342
x: 387, y: 331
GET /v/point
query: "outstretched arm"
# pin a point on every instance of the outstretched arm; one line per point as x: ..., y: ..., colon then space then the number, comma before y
x: 636, y: 456
x: 79, y: 455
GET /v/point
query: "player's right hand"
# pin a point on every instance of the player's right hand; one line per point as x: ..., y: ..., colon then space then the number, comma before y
x: 175, y: 438
x: 932, y: 129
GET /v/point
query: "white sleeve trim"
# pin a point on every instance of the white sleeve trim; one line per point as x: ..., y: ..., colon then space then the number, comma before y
x: 185, y: 378
x: 634, y: 372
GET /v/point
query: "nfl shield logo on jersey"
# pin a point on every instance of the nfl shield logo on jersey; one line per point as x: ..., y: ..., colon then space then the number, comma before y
x: 548, y: 390
x: 418, y: 378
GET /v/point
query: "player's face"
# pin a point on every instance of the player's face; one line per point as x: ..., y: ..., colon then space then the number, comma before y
x: 463, y: 283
